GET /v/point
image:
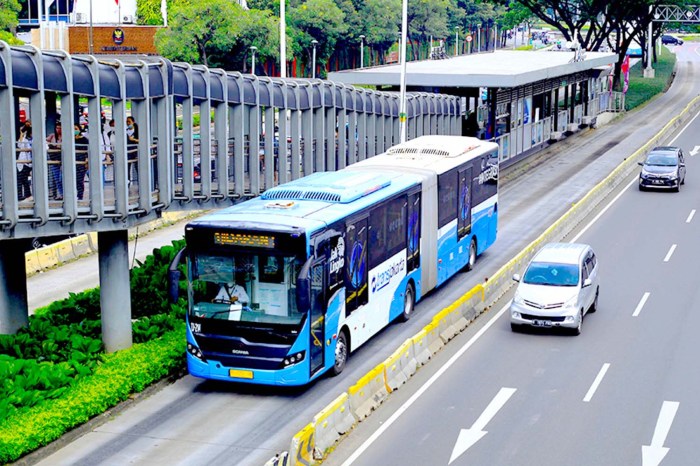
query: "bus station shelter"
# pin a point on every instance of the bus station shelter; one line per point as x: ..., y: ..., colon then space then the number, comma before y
x: 521, y: 99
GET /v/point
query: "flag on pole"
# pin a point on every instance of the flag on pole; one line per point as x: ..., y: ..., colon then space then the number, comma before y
x: 116, y: 1
x: 625, y: 70
x: 164, y: 12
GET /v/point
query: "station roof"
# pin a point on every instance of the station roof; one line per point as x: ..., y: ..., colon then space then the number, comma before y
x: 502, y: 68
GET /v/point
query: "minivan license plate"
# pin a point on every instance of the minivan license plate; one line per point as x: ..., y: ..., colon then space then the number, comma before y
x: 542, y: 323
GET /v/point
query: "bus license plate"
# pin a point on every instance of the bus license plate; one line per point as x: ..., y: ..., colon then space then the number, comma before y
x: 542, y: 323
x: 239, y: 374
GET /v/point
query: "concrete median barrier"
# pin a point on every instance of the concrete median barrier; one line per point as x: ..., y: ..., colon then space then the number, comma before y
x: 369, y: 392
x: 332, y: 422
x: 432, y: 334
x: 421, y: 352
x: 301, y: 450
x: 401, y: 365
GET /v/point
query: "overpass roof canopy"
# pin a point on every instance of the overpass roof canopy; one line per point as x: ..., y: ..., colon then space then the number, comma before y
x: 503, y: 68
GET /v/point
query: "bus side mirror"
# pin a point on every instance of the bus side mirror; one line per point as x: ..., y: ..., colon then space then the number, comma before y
x: 303, y: 296
x: 174, y: 277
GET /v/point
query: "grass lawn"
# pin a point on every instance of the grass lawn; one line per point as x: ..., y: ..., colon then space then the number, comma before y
x: 641, y: 89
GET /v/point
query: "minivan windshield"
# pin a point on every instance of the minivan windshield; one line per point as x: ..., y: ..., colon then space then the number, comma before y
x: 662, y: 160
x: 551, y: 274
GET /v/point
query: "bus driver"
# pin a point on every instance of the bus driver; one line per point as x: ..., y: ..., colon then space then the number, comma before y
x: 232, y: 293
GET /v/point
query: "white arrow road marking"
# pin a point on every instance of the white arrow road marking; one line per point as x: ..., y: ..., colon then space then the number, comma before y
x: 641, y: 304
x: 695, y: 150
x: 468, y: 437
x: 670, y: 253
x: 596, y: 382
x: 653, y: 454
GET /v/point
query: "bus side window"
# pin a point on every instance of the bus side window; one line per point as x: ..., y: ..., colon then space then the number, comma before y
x: 356, y: 291
x: 447, y: 198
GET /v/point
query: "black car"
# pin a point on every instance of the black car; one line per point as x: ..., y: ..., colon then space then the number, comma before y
x: 671, y: 40
x: 664, y: 168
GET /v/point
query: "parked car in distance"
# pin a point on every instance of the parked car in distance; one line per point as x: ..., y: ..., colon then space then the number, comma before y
x: 664, y: 168
x: 560, y: 285
x: 668, y: 39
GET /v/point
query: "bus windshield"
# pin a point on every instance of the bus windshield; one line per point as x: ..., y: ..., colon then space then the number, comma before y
x: 245, y: 287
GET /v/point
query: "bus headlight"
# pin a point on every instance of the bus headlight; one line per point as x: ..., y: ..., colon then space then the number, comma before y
x: 294, y: 359
x: 194, y: 351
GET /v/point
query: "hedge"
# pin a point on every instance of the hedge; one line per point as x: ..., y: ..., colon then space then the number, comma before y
x: 54, y: 374
x: 113, y: 381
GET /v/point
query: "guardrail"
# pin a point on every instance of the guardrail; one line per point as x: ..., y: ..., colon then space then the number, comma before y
x: 311, y: 444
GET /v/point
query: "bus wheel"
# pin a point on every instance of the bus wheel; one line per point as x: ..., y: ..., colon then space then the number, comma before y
x: 409, y: 302
x: 472, y: 255
x: 341, y: 354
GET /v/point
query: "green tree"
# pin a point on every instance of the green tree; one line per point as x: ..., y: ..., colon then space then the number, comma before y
x: 148, y: 11
x: 9, y: 9
x: 319, y: 20
x: 201, y: 32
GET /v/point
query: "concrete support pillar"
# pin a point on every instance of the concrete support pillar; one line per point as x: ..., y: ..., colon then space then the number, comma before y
x: 115, y: 293
x: 14, y: 313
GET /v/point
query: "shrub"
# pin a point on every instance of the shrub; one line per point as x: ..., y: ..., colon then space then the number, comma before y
x: 118, y: 376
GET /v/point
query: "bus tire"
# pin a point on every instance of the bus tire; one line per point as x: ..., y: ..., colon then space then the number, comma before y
x: 341, y: 354
x: 409, y: 303
x: 472, y: 255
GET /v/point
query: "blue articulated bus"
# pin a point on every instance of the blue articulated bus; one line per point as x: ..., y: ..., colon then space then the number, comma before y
x: 282, y: 287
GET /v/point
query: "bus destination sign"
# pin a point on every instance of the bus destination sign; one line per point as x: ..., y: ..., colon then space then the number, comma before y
x: 226, y: 238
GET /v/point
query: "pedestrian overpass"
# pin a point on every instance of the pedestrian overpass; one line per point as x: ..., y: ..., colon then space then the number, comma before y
x: 262, y: 131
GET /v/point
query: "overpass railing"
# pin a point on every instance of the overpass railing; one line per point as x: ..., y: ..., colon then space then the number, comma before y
x: 184, y: 116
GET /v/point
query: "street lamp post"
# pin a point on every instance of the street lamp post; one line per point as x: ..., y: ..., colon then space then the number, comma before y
x: 362, y: 51
x: 456, y: 39
x: 283, y: 41
x: 402, y: 84
x: 252, y: 66
x: 313, y: 61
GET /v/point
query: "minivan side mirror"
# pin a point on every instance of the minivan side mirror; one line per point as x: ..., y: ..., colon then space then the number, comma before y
x: 516, y: 277
x: 587, y: 282
x: 681, y: 165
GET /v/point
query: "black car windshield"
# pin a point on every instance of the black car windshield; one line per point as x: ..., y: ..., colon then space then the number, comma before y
x: 662, y: 160
x: 551, y: 274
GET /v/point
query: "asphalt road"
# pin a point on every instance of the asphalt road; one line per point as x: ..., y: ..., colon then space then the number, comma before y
x: 193, y: 422
x: 630, y: 381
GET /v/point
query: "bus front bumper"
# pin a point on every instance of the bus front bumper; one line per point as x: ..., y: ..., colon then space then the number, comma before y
x: 296, y: 374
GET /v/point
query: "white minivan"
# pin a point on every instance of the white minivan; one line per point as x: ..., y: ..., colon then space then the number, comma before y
x: 559, y: 286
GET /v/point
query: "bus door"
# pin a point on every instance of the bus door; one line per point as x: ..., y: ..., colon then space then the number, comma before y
x: 317, y: 314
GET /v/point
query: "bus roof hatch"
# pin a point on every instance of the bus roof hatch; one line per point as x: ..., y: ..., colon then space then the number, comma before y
x: 329, y: 187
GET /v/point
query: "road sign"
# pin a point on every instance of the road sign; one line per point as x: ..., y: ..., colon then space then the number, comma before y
x: 469, y: 38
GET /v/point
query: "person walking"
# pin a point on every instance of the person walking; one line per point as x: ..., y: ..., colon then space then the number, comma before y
x: 24, y: 163
x: 132, y: 151
x: 81, y: 157
x: 54, y: 141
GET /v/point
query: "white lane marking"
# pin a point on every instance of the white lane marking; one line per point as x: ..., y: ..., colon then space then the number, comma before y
x: 690, y: 216
x: 634, y: 181
x: 600, y: 214
x: 372, y: 438
x: 596, y: 382
x: 641, y: 304
x: 670, y: 253
x: 694, y: 151
x: 653, y: 454
x: 468, y: 437
x: 684, y: 128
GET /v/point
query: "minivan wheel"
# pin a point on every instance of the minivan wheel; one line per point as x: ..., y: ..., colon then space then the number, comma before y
x: 594, y: 306
x: 577, y: 330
